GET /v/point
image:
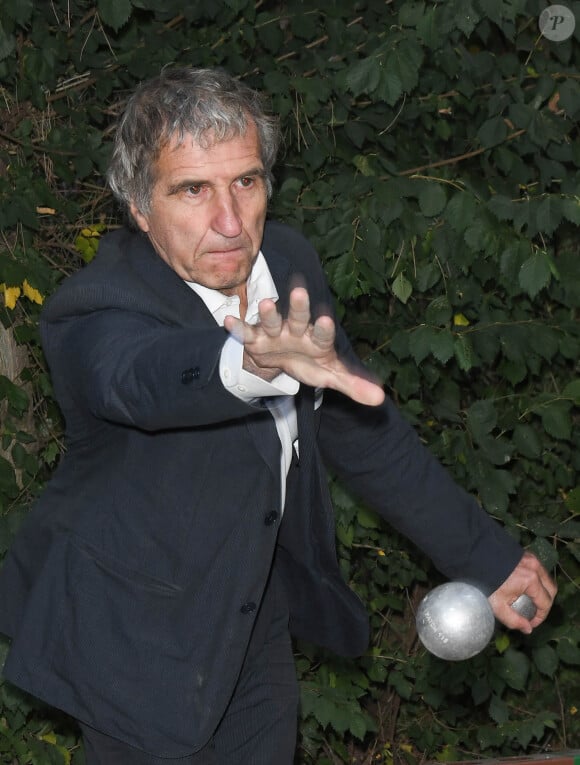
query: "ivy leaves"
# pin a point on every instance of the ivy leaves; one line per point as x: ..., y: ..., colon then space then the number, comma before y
x: 387, y: 73
x: 15, y: 14
x: 448, y: 236
x: 431, y: 155
x: 115, y: 13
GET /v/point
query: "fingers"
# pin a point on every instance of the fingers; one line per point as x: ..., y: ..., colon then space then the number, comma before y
x: 531, y: 578
x: 238, y: 329
x: 270, y: 319
x: 364, y: 391
x: 303, y: 350
x: 542, y: 590
x: 298, y: 322
x: 298, y: 312
x: 323, y: 334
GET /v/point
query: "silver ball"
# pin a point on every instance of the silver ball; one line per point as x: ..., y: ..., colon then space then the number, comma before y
x: 524, y: 605
x: 455, y: 621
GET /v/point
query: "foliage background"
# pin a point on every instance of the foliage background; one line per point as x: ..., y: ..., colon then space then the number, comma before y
x: 431, y: 153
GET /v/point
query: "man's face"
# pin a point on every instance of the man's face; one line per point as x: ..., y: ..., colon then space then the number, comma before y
x: 208, y: 208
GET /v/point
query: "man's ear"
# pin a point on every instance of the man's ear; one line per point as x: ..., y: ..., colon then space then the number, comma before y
x: 138, y: 217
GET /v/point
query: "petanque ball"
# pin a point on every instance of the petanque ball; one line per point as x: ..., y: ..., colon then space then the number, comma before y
x: 525, y: 606
x: 455, y: 621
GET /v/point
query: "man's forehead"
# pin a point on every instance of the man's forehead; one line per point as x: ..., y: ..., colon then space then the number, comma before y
x: 210, y: 150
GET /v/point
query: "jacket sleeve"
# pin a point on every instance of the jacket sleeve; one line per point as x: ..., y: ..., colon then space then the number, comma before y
x: 381, y: 459
x: 129, y: 368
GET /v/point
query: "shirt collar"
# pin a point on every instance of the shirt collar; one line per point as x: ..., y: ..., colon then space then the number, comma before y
x: 260, y: 286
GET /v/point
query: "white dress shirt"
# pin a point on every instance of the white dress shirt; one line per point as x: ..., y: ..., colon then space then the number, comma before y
x: 278, y: 394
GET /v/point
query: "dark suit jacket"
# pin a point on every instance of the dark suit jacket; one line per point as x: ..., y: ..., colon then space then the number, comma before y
x: 131, y: 591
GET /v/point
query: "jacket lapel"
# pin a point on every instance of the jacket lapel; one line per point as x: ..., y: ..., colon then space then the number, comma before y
x: 170, y: 297
x: 179, y: 304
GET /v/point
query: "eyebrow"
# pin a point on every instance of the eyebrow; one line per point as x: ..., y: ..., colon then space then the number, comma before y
x: 254, y: 172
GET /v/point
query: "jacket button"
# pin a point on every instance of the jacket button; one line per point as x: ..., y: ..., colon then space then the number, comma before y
x: 271, y: 518
x: 247, y: 608
x: 189, y: 375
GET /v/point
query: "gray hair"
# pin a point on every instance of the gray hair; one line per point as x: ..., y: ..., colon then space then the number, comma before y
x: 208, y: 104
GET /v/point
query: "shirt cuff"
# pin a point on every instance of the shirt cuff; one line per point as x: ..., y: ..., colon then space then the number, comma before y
x: 245, y: 385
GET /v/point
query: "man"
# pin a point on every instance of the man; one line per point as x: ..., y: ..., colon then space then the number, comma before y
x: 188, y: 529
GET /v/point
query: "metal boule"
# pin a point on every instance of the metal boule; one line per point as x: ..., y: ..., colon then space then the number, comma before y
x: 524, y: 605
x: 455, y: 621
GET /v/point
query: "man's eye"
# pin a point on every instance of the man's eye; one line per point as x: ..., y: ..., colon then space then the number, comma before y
x: 195, y: 190
x: 246, y: 181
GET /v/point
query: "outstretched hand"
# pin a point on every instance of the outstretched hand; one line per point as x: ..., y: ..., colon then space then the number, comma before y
x: 302, y: 350
x: 531, y: 578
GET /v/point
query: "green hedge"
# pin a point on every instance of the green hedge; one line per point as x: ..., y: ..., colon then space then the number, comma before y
x: 431, y: 153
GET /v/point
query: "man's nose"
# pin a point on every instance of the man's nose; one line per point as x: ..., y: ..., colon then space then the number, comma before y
x: 227, y: 220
